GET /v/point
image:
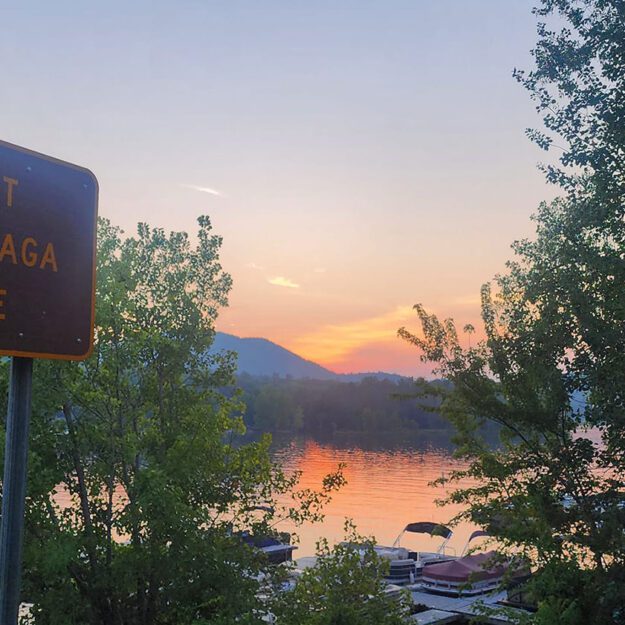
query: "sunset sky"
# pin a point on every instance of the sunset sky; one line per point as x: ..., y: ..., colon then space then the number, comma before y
x: 357, y: 157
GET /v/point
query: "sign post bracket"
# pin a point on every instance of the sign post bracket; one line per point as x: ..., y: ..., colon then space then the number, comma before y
x: 14, y: 488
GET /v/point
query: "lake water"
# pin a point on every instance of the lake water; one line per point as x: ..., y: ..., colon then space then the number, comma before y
x: 387, y: 487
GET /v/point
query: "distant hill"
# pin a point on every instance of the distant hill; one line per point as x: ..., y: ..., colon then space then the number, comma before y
x: 264, y: 358
x: 260, y: 357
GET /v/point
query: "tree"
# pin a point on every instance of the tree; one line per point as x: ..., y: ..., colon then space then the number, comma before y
x: 140, y: 441
x: 469, y: 330
x: 344, y: 587
x: 274, y: 409
x: 551, y: 369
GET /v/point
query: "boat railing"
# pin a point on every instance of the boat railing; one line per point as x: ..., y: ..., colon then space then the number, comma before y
x: 443, y: 551
x: 447, y: 550
x: 474, y: 535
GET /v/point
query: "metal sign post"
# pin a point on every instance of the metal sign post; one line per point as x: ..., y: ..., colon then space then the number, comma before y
x: 14, y: 488
x: 48, y: 217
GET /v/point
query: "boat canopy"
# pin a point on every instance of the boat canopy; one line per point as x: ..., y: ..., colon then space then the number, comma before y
x: 479, y: 566
x: 477, y: 534
x: 425, y: 527
x: 474, y: 535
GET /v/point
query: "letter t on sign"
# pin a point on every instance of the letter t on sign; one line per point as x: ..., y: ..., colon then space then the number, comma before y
x: 11, y: 182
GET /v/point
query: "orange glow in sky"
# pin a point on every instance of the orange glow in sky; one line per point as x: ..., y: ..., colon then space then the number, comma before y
x: 356, y: 158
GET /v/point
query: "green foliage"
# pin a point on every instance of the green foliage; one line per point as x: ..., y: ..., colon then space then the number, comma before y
x: 275, y: 409
x: 345, y: 587
x: 322, y: 407
x: 551, y: 369
x: 136, y: 488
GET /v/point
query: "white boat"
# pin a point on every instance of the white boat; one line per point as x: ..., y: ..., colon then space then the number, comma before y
x: 469, y: 575
x: 406, y: 566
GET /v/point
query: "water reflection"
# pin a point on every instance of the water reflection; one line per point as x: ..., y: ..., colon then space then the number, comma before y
x: 388, y: 486
x: 386, y: 489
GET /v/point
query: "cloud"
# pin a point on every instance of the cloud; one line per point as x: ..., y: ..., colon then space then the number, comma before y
x: 282, y: 281
x: 254, y: 266
x: 334, y: 343
x: 319, y: 269
x: 469, y: 301
x: 208, y: 190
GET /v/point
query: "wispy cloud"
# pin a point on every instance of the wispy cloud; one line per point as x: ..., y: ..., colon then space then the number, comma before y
x: 469, y: 301
x: 282, y: 281
x: 254, y: 266
x: 208, y: 190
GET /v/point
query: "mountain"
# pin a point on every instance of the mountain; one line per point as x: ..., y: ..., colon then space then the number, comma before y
x: 261, y: 357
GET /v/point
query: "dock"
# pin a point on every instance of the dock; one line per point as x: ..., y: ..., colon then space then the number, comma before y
x: 443, y: 610
x: 434, y: 617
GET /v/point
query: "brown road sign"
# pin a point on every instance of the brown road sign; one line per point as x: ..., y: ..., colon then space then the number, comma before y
x: 48, y: 218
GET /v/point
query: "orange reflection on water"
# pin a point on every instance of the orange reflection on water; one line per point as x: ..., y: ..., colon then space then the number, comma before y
x: 386, y: 489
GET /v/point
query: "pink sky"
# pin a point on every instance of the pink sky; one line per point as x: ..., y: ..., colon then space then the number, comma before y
x: 357, y: 158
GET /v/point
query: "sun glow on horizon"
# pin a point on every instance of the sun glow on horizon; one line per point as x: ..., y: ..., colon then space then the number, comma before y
x: 368, y: 344
x: 333, y: 344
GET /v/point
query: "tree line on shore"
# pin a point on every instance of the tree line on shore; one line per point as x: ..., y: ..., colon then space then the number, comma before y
x: 323, y: 407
